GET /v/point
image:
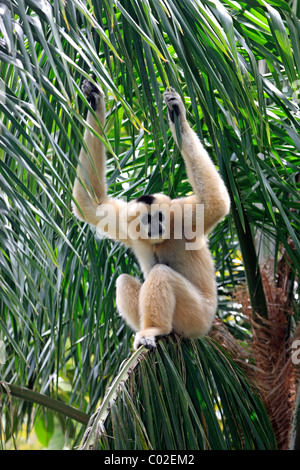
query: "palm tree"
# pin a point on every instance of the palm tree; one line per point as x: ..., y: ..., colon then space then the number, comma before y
x: 237, y: 65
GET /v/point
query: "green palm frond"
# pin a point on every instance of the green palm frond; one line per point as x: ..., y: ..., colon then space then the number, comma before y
x: 183, y: 396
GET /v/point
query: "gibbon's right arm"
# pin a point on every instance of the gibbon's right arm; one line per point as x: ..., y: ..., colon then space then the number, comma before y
x: 209, y: 188
x: 92, y: 203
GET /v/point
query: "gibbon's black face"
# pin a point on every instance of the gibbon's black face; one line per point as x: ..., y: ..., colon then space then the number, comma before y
x: 152, y: 221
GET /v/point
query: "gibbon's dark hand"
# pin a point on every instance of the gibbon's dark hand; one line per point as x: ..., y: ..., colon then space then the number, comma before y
x: 92, y: 93
x: 174, y: 104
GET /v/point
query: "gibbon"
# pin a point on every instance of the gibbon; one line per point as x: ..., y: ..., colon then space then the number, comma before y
x: 179, y: 291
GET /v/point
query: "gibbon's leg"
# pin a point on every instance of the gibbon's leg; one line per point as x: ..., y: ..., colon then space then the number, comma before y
x: 204, y: 178
x: 127, y: 299
x: 169, y: 302
x: 89, y: 188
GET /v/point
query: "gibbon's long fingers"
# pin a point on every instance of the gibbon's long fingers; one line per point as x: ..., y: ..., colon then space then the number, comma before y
x: 174, y: 104
x: 148, y: 338
x: 96, y: 98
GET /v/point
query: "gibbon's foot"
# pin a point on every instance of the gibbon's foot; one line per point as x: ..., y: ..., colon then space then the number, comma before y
x: 93, y: 93
x: 174, y: 103
x: 148, y: 341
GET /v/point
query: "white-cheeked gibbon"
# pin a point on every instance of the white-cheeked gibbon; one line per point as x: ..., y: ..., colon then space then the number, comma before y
x: 179, y: 290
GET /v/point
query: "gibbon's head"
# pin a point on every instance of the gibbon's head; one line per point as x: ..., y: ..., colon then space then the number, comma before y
x: 149, y: 218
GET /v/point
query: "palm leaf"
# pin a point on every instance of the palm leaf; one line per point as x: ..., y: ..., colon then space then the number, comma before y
x: 183, y: 396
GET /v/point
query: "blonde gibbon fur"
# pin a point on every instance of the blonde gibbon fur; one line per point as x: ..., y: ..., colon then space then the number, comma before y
x: 179, y: 289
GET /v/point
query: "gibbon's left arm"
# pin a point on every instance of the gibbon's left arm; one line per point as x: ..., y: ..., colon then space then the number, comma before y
x: 204, y: 178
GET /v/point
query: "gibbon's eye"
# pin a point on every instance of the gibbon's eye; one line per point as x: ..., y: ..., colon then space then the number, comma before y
x: 161, y: 217
x: 158, y: 217
x: 146, y: 219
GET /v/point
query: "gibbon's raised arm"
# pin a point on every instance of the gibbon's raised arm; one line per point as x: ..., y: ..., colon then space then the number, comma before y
x: 91, y: 168
x: 93, y: 206
x: 203, y: 176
